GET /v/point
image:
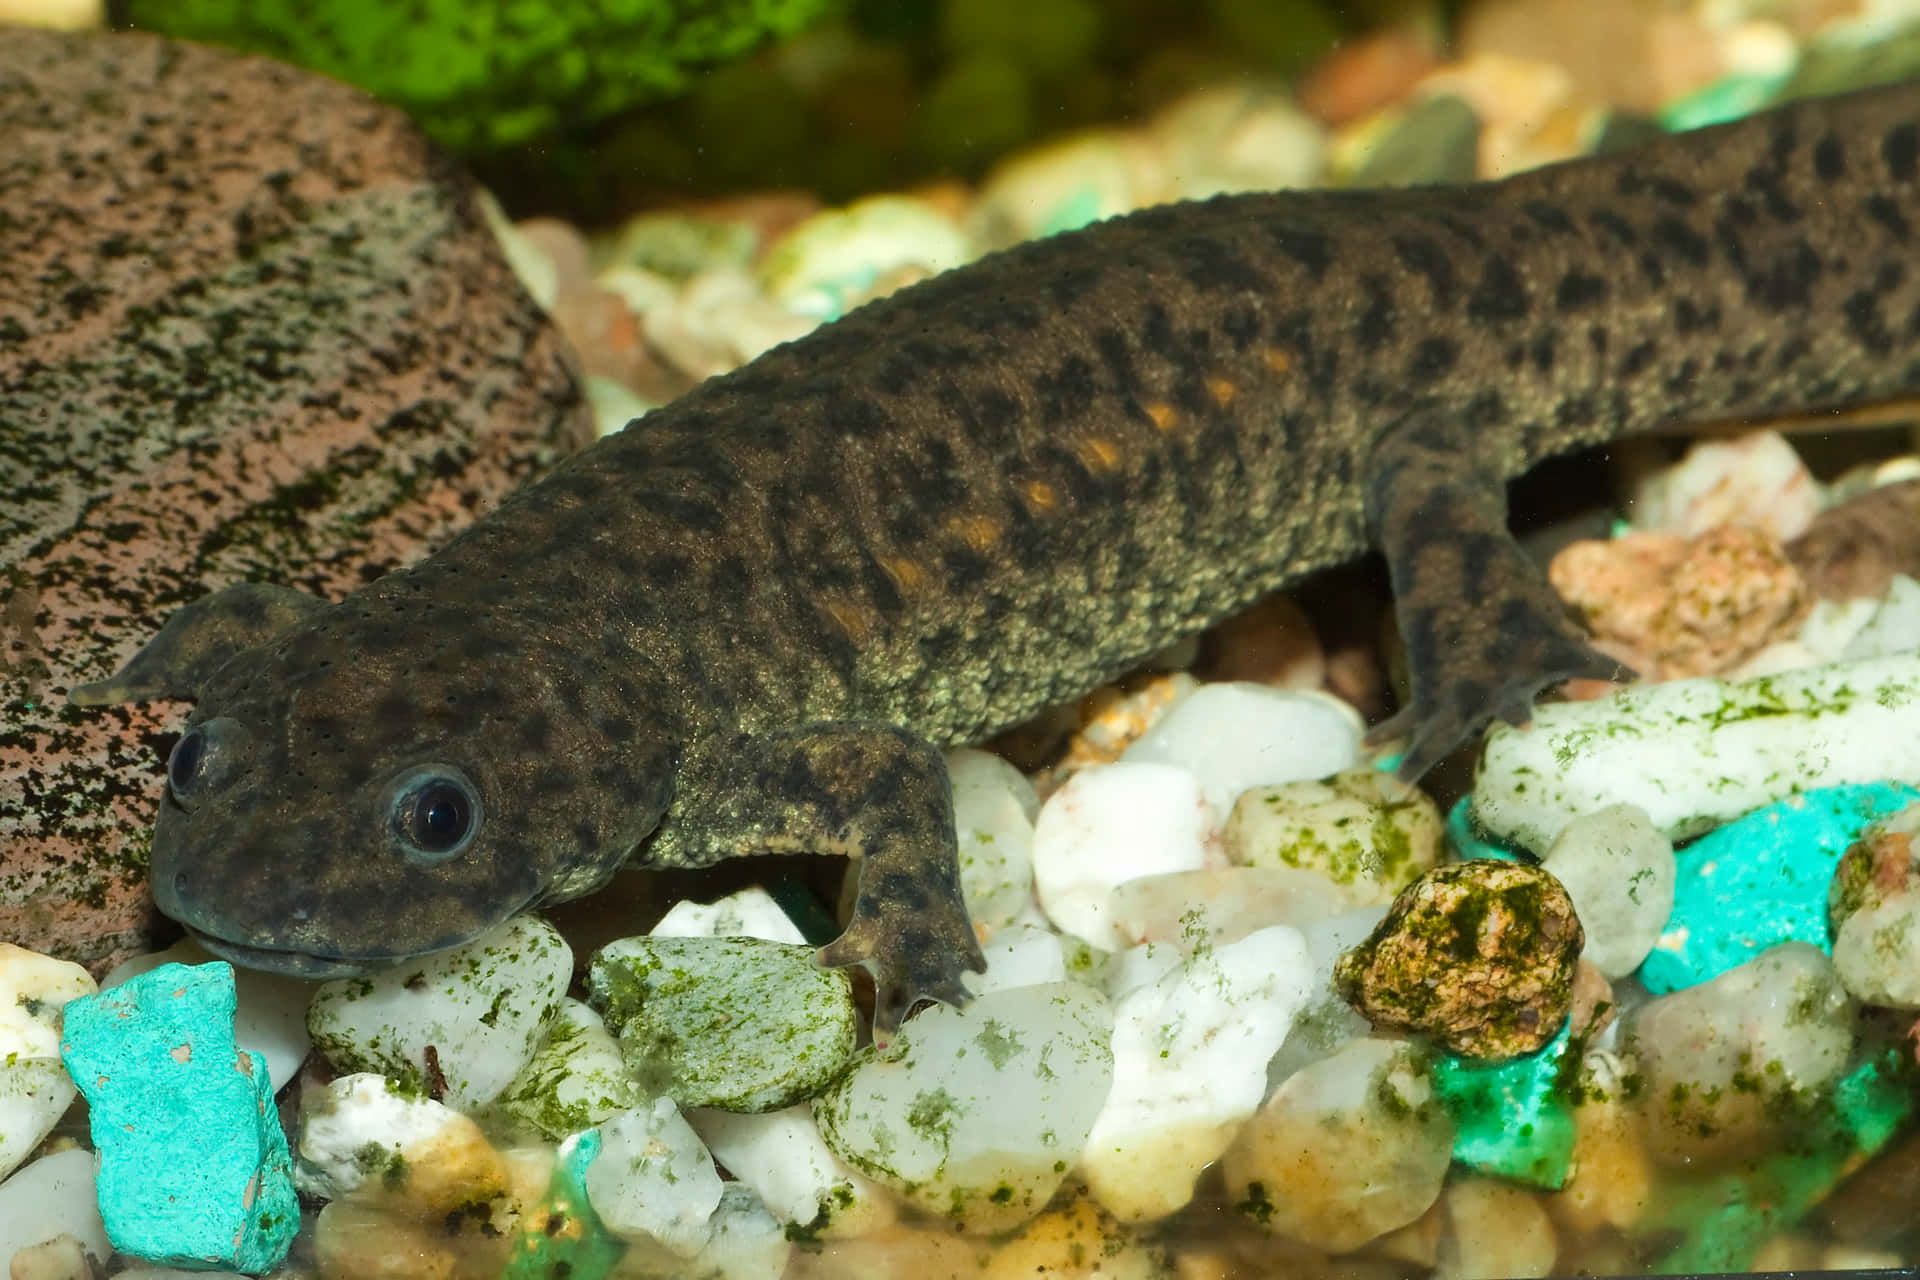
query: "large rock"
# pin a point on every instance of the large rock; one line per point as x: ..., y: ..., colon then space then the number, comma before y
x: 252, y: 326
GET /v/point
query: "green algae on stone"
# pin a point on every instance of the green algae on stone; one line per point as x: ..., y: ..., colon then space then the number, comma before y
x: 577, y: 1078
x: 484, y: 74
x: 1479, y: 955
x: 1361, y: 829
x: 741, y: 1024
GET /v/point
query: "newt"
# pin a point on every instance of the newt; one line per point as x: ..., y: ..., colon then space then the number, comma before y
x: 751, y: 620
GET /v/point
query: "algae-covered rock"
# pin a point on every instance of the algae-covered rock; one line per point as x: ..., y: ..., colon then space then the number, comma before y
x: 742, y: 1024
x: 482, y: 74
x: 1478, y: 955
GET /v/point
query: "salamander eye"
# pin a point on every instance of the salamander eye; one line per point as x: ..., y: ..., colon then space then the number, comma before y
x: 204, y: 760
x: 434, y: 813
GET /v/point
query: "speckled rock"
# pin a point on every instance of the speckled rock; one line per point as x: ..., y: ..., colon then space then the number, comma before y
x: 1479, y: 955
x: 251, y: 326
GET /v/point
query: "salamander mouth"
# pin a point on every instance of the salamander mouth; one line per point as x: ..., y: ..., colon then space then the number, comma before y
x: 292, y: 964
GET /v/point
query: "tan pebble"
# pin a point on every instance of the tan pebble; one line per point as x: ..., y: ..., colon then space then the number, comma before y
x: 1686, y: 608
x: 1853, y: 550
x: 56, y: 15
x: 1077, y: 1239
x: 1113, y: 717
x: 604, y: 334
x: 1273, y: 643
x: 1594, y: 1008
x: 1417, y: 1243
x: 768, y: 214
x: 1495, y: 1231
x: 1365, y: 75
x: 1602, y: 47
x: 921, y: 1254
x: 1788, y: 1251
x: 360, y: 1242
x: 1852, y: 1257
x: 1517, y: 101
x: 64, y: 1257
x: 563, y: 246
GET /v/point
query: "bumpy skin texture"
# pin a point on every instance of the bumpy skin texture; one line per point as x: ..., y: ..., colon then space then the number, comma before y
x: 740, y: 623
x: 251, y: 326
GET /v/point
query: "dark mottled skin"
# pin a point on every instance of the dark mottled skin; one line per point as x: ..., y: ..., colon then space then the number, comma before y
x: 746, y: 622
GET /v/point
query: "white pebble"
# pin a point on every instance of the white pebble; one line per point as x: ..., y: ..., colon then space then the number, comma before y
x: 53, y: 1196
x: 480, y: 1009
x: 1619, y: 872
x: 744, y: 1241
x: 1024, y: 955
x: 1894, y: 626
x: 993, y: 810
x: 359, y: 1137
x: 35, y: 1089
x: 1107, y: 825
x: 1189, y: 1065
x: 1141, y: 966
x: 977, y: 1115
x: 781, y: 1155
x: 1695, y: 753
x: 748, y: 913
x: 1728, y: 1062
x: 1756, y: 480
x: 270, y: 1015
x: 1235, y: 735
x: 654, y: 1180
x: 1327, y: 1022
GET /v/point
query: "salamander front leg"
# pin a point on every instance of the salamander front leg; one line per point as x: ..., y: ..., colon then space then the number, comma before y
x: 1484, y: 630
x: 879, y: 794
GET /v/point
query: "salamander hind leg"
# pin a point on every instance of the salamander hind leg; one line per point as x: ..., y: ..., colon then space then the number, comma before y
x: 878, y: 794
x: 1484, y: 631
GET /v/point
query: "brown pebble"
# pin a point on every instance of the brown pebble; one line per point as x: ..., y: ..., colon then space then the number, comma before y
x: 1479, y: 955
x: 1854, y: 550
x: 261, y: 331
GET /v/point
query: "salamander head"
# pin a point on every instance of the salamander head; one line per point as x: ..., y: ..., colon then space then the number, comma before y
x: 389, y: 778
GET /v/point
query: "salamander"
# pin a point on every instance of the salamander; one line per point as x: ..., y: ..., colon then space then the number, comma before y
x: 752, y: 620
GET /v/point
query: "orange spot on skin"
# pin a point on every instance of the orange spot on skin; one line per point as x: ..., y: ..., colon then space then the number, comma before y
x: 1098, y: 454
x: 1041, y: 497
x: 1165, y: 416
x: 982, y: 533
x: 850, y: 618
x: 1222, y: 391
x: 908, y: 575
x: 1277, y: 359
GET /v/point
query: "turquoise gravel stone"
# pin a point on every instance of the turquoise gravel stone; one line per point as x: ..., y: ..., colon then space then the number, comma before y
x: 1762, y: 880
x: 564, y: 1236
x: 1511, y: 1119
x: 193, y: 1164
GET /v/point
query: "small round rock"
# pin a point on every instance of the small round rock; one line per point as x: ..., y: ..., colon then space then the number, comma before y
x: 1479, y: 955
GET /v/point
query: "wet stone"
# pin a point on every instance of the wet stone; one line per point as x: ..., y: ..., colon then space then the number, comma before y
x: 1479, y: 955
x: 379, y: 378
x: 742, y: 1024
